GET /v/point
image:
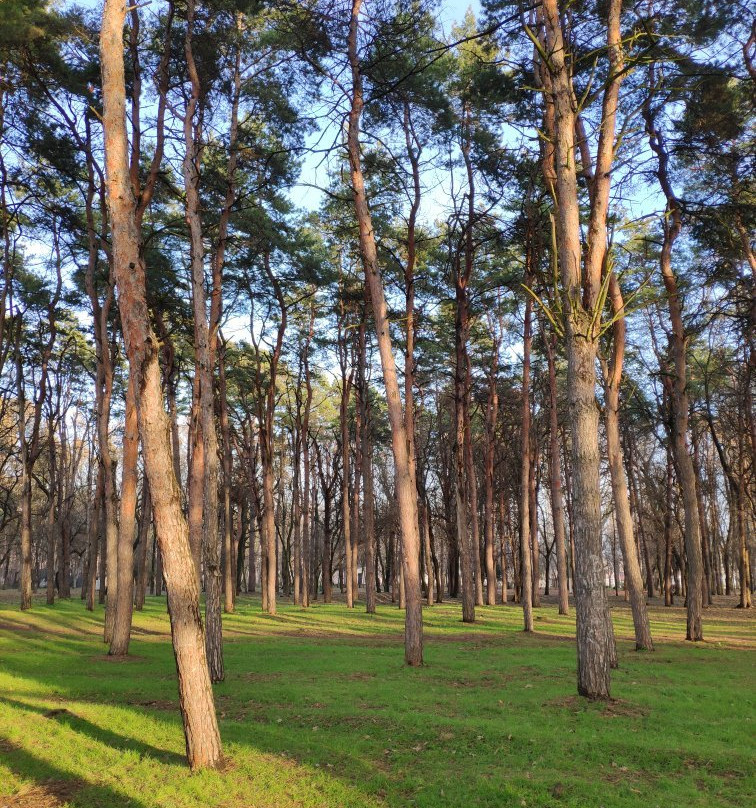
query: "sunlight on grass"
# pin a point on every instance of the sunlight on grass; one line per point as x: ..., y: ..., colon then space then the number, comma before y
x: 318, y: 710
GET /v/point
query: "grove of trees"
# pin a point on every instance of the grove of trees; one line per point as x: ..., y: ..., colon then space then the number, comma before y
x: 342, y: 299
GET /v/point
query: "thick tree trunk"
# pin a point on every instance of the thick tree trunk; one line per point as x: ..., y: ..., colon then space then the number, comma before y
x: 203, y: 746
x: 591, y: 603
x: 581, y: 273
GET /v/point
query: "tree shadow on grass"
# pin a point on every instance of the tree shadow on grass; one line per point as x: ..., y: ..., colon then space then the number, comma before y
x: 104, y: 736
x: 53, y: 786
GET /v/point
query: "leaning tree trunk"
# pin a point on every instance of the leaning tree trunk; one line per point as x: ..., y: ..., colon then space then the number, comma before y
x: 203, y: 746
x: 204, y: 366
x: 620, y: 492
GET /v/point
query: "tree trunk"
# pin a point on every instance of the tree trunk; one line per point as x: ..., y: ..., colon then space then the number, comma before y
x: 51, y: 523
x: 109, y: 581
x: 679, y: 400
x: 405, y: 483
x: 534, y: 547
x: 620, y: 493
x: 526, y: 572
x: 145, y: 520
x: 462, y: 499
x: 346, y: 516
x: 581, y: 273
x: 555, y: 477
x: 204, y: 365
x: 203, y: 746
x: 229, y: 587
x: 368, y: 504
x: 119, y: 645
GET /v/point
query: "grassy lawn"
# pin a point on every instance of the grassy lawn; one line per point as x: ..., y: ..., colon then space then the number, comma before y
x: 317, y: 711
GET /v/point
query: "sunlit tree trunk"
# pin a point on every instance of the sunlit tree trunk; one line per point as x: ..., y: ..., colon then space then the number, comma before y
x: 581, y: 273
x: 406, y: 488
x: 195, y: 693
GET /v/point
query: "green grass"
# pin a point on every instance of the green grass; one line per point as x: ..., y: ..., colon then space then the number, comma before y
x: 317, y: 711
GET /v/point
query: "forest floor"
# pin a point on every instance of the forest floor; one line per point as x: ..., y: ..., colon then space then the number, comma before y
x: 318, y: 711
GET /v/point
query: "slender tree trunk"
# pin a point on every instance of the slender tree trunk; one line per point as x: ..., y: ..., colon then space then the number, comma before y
x: 119, y: 645
x: 307, y: 529
x: 678, y: 345
x: 346, y: 516
x: 462, y: 499
x: 357, y: 480
x: 492, y: 415
x: 145, y: 520
x: 555, y: 477
x: 406, y: 488
x: 195, y: 693
x: 620, y: 493
x: 109, y: 581
x: 51, y: 522
x: 296, y: 496
x: 204, y: 363
x: 94, y: 540
x: 703, y: 526
x: 503, y: 530
x: 534, y: 546
x: 368, y: 505
x: 196, y: 477
x: 526, y: 572
x: 668, y: 592
x: 229, y: 587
